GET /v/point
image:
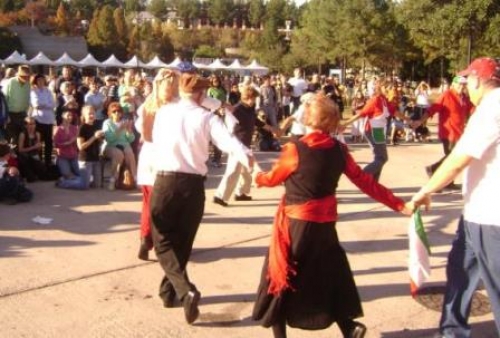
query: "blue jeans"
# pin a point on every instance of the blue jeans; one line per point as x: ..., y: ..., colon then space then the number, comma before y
x: 92, y: 169
x: 475, y: 254
x: 68, y: 167
x: 380, y: 157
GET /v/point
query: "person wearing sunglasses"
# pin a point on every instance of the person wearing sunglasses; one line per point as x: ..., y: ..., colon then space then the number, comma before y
x: 118, y: 134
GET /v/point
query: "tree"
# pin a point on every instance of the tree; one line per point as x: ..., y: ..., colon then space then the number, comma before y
x: 219, y: 11
x: 158, y: 8
x: 36, y: 10
x: 62, y: 20
x: 10, y: 43
x: 7, y: 6
x: 256, y: 12
x: 121, y: 32
x: 85, y: 7
x: 187, y: 10
x: 132, y: 6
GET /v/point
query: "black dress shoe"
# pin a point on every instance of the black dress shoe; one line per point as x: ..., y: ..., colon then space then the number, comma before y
x: 219, y: 201
x: 242, y: 197
x: 169, y: 300
x: 358, y: 331
x: 190, y: 303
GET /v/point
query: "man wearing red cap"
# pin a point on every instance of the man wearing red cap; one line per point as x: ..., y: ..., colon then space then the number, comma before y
x: 453, y: 107
x: 475, y: 253
x: 181, y: 135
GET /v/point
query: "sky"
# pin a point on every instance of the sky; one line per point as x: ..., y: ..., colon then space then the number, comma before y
x: 299, y: 2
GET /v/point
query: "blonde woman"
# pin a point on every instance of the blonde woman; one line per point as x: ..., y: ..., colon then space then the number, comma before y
x: 89, y: 140
x: 165, y: 89
x: 307, y: 282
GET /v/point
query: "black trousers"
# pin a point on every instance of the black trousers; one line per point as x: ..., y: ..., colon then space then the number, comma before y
x: 177, y: 205
x: 15, y: 126
x: 45, y: 131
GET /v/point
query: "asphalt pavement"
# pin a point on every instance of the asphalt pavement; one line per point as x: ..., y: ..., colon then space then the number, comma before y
x: 79, y: 276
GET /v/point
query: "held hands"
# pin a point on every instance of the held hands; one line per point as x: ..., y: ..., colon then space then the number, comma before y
x: 408, y: 208
x: 422, y: 198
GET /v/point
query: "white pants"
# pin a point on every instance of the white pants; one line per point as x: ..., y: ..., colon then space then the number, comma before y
x: 236, y: 174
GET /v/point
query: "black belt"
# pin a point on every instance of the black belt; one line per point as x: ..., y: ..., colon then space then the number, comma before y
x: 164, y: 173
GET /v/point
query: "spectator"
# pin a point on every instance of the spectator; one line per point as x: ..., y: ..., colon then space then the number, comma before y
x: 17, y: 95
x: 97, y: 100
x: 12, y: 189
x: 29, y: 148
x: 299, y: 87
x: 118, y: 135
x: 43, y: 104
x: 67, y: 102
x: 67, y: 154
x: 268, y: 101
x: 89, y: 141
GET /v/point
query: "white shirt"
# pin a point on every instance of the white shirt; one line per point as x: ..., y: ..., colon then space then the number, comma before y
x: 44, y: 100
x: 181, y: 135
x: 146, y: 172
x: 481, y: 141
x: 96, y: 100
x: 299, y: 86
x: 298, y: 127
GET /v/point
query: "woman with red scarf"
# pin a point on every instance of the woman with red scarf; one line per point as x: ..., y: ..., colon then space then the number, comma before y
x: 306, y: 281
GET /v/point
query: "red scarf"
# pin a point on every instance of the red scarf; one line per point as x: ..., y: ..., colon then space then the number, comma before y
x: 279, y: 268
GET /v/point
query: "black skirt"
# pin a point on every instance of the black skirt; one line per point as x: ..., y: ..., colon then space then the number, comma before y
x: 324, y: 290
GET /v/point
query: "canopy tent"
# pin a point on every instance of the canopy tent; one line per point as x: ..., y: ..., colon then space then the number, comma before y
x: 89, y: 61
x: 15, y: 58
x: 175, y: 63
x: 155, y: 63
x: 66, y: 60
x: 112, y: 61
x: 200, y: 65
x: 254, y: 67
x: 41, y: 60
x: 134, y: 62
x: 217, y: 64
x: 237, y: 67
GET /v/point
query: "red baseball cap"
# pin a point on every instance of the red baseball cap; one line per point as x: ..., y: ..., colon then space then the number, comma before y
x: 484, y: 68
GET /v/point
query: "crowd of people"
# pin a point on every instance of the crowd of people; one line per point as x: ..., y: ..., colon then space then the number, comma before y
x: 163, y: 133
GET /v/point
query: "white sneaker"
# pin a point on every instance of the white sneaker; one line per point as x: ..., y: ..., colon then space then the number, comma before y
x: 111, y: 184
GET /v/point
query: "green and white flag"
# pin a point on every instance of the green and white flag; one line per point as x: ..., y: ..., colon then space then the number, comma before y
x: 419, y: 251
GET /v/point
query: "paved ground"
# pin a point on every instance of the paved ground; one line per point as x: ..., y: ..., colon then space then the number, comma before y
x: 79, y: 276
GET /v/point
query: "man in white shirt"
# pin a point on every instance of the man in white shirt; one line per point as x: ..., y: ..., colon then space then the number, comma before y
x: 181, y: 135
x: 475, y: 253
x: 299, y: 86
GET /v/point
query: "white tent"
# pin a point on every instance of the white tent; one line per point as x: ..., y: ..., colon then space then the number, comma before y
x: 200, y: 65
x: 175, y: 63
x: 237, y: 67
x: 89, y: 61
x: 155, y: 63
x: 112, y: 61
x: 134, y: 62
x: 15, y: 58
x: 217, y: 64
x: 66, y: 60
x: 254, y: 67
x: 41, y: 60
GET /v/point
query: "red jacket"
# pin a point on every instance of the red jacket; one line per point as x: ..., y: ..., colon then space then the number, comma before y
x: 453, y: 109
